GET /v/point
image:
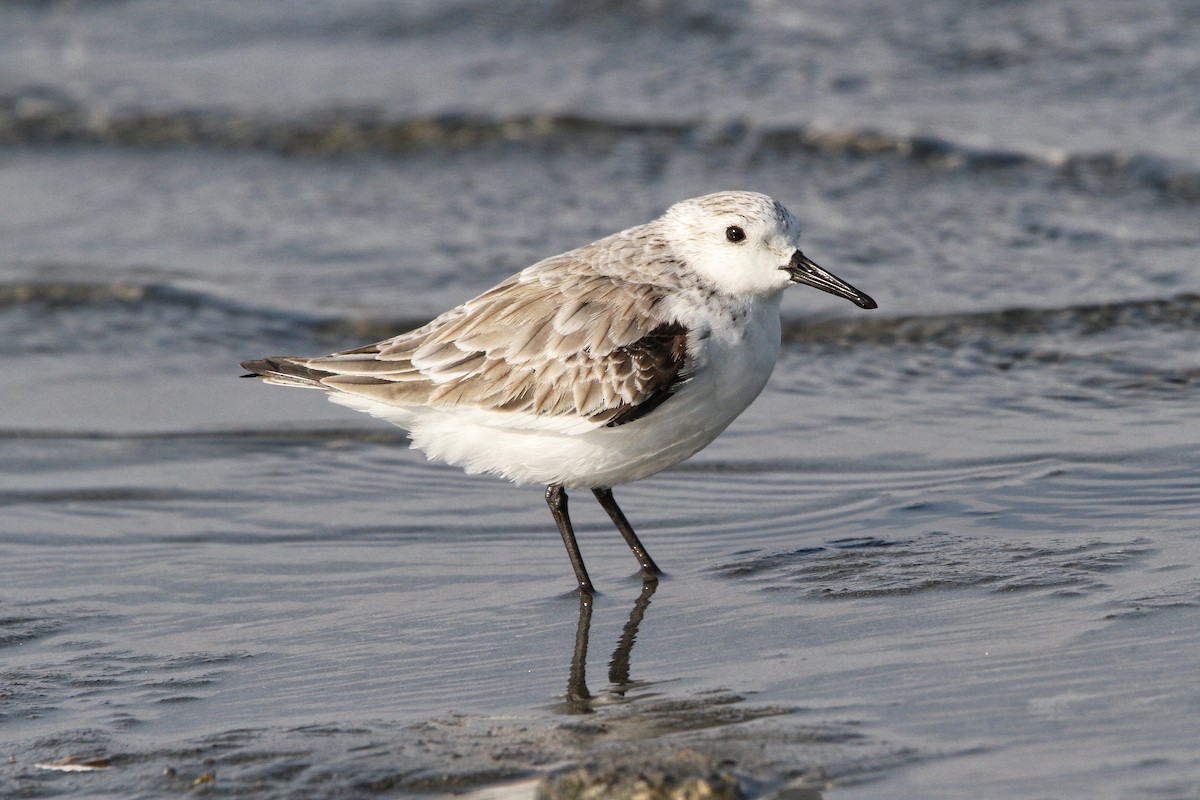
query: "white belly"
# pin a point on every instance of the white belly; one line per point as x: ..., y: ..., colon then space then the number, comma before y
x: 731, y: 368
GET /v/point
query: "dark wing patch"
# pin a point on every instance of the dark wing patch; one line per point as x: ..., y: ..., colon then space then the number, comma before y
x: 660, y: 360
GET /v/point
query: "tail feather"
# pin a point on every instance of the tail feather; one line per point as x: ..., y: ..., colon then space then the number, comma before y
x: 285, y: 371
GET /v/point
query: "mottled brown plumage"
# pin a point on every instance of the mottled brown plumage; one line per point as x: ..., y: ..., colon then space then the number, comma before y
x: 549, y: 342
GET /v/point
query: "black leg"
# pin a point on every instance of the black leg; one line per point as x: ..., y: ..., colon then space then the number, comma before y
x: 556, y: 498
x: 650, y: 570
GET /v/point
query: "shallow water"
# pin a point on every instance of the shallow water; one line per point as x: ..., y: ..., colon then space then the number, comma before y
x: 952, y: 550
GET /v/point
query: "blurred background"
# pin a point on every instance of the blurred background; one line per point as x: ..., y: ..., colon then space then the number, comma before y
x: 952, y: 550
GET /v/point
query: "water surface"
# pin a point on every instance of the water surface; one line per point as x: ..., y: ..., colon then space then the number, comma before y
x: 951, y: 551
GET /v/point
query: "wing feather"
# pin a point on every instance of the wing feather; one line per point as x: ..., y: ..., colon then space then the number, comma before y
x: 550, y: 342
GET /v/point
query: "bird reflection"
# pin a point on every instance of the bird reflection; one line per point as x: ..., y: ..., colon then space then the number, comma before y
x: 579, y: 700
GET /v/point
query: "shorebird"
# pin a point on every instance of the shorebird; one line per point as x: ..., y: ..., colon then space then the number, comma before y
x: 596, y: 367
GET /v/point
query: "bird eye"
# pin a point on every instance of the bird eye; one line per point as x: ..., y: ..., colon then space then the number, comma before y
x: 734, y: 233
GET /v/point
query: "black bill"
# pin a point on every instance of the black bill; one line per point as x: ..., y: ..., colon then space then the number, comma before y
x: 805, y: 271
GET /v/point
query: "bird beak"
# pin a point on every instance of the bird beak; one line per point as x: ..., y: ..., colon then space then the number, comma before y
x: 805, y: 271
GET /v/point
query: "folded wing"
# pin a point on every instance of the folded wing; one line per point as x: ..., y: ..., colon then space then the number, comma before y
x: 537, y: 347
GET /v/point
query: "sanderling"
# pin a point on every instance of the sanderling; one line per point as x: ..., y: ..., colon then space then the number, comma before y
x: 596, y: 367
